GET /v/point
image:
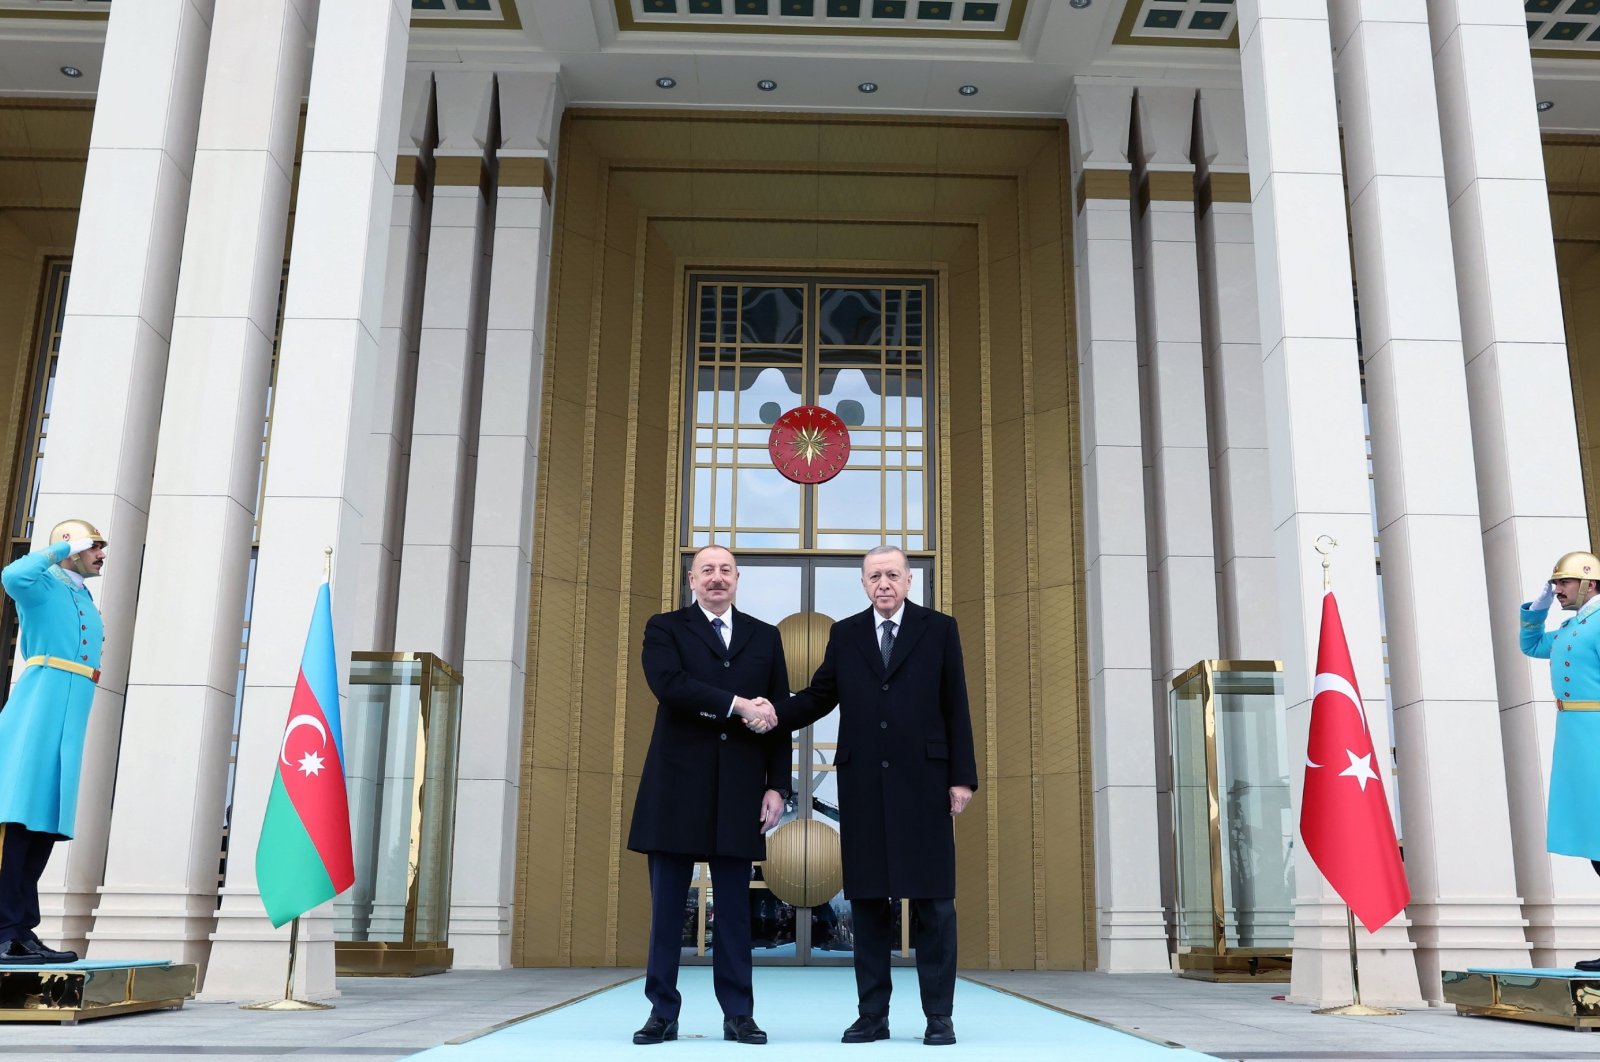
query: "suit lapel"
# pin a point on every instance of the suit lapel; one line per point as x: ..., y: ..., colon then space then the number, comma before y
x: 913, y: 625
x: 743, y: 628
x: 695, y: 617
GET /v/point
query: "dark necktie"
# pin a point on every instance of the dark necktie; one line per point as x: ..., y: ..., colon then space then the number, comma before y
x: 887, y: 644
x: 717, y: 625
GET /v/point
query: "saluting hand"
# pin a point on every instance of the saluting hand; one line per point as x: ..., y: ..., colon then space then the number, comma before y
x: 960, y: 797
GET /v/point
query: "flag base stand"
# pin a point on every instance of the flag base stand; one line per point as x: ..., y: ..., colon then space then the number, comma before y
x: 1356, y: 1009
x: 288, y: 1002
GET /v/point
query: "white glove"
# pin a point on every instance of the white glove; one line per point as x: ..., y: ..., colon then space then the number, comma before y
x: 1543, y: 599
x: 78, y: 545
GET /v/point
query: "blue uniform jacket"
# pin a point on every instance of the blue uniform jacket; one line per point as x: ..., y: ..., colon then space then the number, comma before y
x: 42, y: 725
x: 1573, y: 650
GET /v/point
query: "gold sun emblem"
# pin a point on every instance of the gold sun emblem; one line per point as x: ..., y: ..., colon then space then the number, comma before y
x: 810, y: 443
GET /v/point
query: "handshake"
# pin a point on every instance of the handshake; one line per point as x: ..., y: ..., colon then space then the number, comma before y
x: 758, y: 713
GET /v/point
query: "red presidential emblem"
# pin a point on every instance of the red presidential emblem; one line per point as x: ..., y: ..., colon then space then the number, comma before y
x: 809, y: 444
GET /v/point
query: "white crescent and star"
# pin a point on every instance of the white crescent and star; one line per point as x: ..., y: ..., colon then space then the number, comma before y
x: 1360, y: 766
x: 310, y: 763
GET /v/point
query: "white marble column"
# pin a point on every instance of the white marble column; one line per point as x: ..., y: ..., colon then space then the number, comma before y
x: 1317, y: 442
x: 159, y: 896
x: 314, y: 485
x: 1231, y: 330
x: 1182, y: 555
x: 494, y: 667
x: 449, y: 372
x: 113, y: 361
x: 1524, y: 435
x: 1132, y: 928
x: 394, y: 379
x: 1464, y: 905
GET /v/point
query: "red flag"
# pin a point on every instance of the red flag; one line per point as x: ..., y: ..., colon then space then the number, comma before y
x: 1344, y: 813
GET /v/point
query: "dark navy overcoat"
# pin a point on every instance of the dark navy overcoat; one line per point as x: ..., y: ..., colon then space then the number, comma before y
x: 905, y: 737
x: 706, y: 772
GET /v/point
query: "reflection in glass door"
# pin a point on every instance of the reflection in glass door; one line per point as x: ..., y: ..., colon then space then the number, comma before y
x: 758, y: 347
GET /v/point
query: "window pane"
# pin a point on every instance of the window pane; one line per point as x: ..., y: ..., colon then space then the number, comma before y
x: 767, y: 500
x: 851, y: 500
x: 772, y: 315
x: 859, y: 386
x: 702, y: 497
x: 851, y: 316
x: 767, y: 387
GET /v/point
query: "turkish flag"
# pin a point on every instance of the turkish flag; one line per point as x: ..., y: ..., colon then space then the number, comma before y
x: 1344, y: 813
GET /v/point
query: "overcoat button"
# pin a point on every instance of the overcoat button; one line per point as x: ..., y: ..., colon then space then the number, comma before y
x: 886, y: 763
x: 886, y: 687
x: 724, y: 737
x: 883, y: 726
x: 727, y: 663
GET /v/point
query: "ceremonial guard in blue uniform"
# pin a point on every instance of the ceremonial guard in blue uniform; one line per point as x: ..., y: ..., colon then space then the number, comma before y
x: 1573, y: 650
x: 43, y: 723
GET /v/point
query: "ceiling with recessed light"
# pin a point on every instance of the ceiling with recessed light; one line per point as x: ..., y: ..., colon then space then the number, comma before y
x: 1020, y: 56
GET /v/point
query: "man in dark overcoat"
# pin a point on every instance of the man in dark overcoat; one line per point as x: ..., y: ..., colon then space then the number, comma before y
x: 905, y: 768
x: 715, y: 780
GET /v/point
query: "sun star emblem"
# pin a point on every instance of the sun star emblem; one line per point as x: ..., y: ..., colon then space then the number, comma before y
x: 310, y: 764
x: 810, y: 443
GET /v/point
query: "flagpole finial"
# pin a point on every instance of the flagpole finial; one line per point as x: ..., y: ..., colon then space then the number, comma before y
x: 1325, y: 545
x: 327, y: 563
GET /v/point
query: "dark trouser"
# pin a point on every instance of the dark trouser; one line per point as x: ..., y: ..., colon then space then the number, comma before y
x: 933, y: 934
x: 730, y: 947
x: 23, y: 855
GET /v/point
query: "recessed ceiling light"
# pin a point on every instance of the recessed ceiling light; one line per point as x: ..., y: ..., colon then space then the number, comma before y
x: 868, y: 86
x: 766, y: 85
x: 72, y: 71
x: 968, y: 90
x: 666, y: 82
x: 1080, y: 4
x: 1545, y: 105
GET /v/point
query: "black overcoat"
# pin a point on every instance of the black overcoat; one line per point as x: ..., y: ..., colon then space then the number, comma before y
x: 705, y: 773
x: 905, y: 737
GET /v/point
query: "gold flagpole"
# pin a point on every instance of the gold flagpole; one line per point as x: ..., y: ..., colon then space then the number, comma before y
x: 1325, y: 545
x: 288, y: 1002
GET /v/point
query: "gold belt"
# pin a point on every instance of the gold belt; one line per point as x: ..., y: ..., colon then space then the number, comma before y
x: 1579, y: 706
x: 93, y: 673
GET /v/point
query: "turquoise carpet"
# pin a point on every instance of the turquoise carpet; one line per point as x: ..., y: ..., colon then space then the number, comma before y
x: 803, y: 1012
x: 84, y: 964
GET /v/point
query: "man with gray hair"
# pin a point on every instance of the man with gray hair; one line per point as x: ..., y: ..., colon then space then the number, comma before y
x: 905, y: 769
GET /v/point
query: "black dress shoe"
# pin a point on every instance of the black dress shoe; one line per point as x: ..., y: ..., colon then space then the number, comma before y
x: 744, y: 1029
x: 27, y: 953
x: 867, y: 1028
x: 1587, y: 965
x: 940, y: 1031
x: 48, y: 954
x: 656, y: 1030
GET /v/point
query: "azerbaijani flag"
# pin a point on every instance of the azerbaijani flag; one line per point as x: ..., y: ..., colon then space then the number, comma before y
x: 304, y: 856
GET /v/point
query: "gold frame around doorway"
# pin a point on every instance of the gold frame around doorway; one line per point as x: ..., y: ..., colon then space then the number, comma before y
x: 643, y: 197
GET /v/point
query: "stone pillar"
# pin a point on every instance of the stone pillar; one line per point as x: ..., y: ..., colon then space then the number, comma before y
x: 314, y: 483
x: 449, y: 372
x: 1231, y: 330
x: 1524, y: 436
x: 383, y: 510
x: 394, y: 390
x: 1132, y: 924
x: 160, y: 893
x: 1317, y: 442
x: 494, y: 666
x: 113, y: 363
x: 1464, y: 905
